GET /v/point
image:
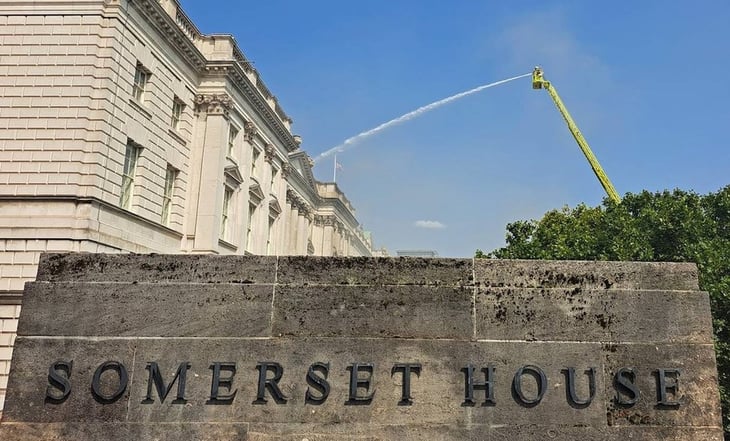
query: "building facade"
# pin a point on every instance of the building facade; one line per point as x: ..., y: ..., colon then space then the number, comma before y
x: 124, y: 129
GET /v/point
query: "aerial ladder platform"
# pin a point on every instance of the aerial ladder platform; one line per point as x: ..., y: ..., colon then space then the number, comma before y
x: 538, y: 82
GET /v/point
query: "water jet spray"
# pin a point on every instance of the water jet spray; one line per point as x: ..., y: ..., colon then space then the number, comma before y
x: 351, y: 142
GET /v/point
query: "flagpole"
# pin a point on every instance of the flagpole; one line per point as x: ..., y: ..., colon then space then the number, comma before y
x: 334, y: 173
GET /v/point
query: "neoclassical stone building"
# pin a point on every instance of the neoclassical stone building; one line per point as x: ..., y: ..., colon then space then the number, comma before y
x: 124, y: 129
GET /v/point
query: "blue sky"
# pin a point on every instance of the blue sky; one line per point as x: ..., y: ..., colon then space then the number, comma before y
x: 647, y: 82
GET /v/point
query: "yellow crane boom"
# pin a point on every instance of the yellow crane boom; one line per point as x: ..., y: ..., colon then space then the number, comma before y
x: 538, y: 82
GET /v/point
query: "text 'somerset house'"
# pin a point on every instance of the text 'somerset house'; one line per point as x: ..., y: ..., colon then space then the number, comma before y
x: 124, y: 129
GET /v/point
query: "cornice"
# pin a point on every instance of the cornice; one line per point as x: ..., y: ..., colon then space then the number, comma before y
x: 306, y: 164
x: 64, y: 7
x: 99, y: 203
x: 153, y: 11
x: 298, y: 202
x: 340, y: 208
x: 256, y: 195
x: 235, y: 73
x: 234, y: 173
x: 182, y: 35
x: 303, y: 183
x: 311, y: 194
x: 274, y: 207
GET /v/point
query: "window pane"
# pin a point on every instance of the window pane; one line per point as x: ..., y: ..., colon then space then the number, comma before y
x: 274, y: 172
x: 270, y: 237
x: 140, y: 82
x: 232, y: 133
x: 126, y: 193
x: 130, y: 160
x: 254, y: 158
x: 130, y: 165
x: 177, y: 110
x: 227, y: 195
x: 170, y: 177
x: 249, y: 226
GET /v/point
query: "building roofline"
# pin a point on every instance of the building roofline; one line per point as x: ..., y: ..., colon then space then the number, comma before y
x: 171, y: 21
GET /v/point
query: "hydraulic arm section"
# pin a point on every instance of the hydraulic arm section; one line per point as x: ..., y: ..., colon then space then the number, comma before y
x: 538, y: 82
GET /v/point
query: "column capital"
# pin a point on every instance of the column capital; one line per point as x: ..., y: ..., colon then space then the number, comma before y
x: 213, y: 104
x: 324, y: 220
x: 269, y: 153
x: 249, y: 131
x: 286, y: 169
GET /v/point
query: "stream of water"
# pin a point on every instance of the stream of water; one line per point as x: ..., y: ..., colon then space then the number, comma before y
x: 351, y: 142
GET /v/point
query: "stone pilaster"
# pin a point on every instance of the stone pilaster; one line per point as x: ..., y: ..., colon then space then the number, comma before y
x: 212, y: 111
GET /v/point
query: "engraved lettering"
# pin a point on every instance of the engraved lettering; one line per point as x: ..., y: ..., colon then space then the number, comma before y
x: 155, y: 378
x: 470, y: 385
x: 270, y: 384
x: 96, y: 382
x: 317, y: 382
x: 406, y: 369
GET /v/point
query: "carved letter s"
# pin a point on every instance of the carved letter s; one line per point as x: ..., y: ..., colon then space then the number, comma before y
x: 59, y: 382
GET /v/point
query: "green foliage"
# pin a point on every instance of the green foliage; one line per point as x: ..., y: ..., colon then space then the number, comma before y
x: 676, y: 226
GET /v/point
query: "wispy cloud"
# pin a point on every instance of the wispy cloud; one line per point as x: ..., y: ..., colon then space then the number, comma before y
x: 429, y: 224
x: 546, y: 37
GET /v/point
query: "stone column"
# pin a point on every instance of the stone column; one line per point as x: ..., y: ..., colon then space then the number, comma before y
x: 208, y: 174
x: 346, y: 244
x: 292, y: 224
x: 318, y: 234
x: 337, y: 238
x: 250, y: 131
x: 302, y: 233
x: 328, y: 236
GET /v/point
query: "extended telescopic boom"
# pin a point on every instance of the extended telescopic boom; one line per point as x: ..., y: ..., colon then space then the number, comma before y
x: 538, y: 82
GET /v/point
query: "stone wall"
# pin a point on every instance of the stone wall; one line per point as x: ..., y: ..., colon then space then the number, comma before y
x: 8, y: 325
x: 296, y: 348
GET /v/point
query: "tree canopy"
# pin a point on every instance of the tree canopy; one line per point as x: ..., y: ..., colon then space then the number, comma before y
x: 668, y: 226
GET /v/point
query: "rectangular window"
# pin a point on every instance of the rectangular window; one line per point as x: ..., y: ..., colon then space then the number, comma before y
x: 270, y: 237
x: 177, y: 111
x: 272, y: 185
x: 141, y: 78
x: 170, y: 178
x: 249, y: 226
x: 232, y: 133
x: 130, y: 169
x: 226, y: 213
x: 254, y: 159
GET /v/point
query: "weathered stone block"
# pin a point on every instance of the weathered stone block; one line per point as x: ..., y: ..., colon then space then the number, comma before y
x: 155, y: 268
x: 296, y: 270
x: 585, y: 274
x: 147, y: 309
x: 695, y: 402
x: 577, y: 314
x: 29, y: 383
x: 373, y: 311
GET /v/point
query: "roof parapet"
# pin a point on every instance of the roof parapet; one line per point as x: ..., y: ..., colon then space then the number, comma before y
x: 214, y: 47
